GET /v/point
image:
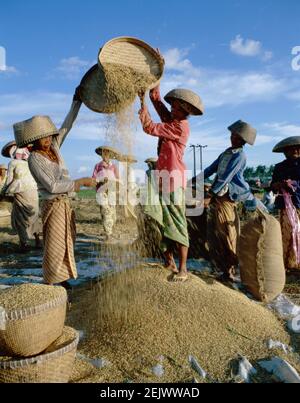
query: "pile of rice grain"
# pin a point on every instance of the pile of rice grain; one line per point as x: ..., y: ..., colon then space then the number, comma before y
x: 133, y: 318
x: 29, y: 295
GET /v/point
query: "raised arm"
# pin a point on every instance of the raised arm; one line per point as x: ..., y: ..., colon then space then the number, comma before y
x: 161, y: 109
x: 170, y: 131
x: 70, y: 118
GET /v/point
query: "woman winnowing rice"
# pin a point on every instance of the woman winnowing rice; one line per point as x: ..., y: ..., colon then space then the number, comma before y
x: 54, y: 183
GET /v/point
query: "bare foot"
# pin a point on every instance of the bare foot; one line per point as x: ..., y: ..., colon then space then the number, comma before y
x: 181, y: 277
x: 172, y: 267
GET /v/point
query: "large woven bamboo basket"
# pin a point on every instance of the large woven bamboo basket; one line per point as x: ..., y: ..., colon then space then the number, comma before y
x: 129, y: 52
x: 92, y: 90
x: 134, y: 53
x: 27, y: 332
x: 53, y: 366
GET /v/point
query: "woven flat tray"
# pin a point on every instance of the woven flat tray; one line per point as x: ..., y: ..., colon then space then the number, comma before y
x: 133, y: 53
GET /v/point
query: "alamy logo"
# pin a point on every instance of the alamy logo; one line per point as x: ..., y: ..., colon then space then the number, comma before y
x: 2, y: 58
x: 296, y: 59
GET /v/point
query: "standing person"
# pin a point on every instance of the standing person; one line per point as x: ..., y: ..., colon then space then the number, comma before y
x: 229, y: 188
x: 286, y: 179
x: 23, y: 188
x: 106, y: 175
x: 173, y: 134
x: 3, y: 176
x: 49, y: 171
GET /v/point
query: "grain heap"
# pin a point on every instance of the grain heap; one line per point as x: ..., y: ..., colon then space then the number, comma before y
x: 25, y: 295
x: 138, y: 316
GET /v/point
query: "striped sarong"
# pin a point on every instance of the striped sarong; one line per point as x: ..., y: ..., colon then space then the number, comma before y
x: 223, y: 232
x: 59, y: 233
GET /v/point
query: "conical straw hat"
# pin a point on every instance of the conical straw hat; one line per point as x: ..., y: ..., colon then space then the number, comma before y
x: 288, y: 142
x: 189, y: 97
x: 114, y: 153
x: 5, y: 149
x: 245, y: 131
x: 38, y: 127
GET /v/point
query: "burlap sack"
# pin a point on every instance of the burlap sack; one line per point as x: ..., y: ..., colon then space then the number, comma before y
x: 260, y: 255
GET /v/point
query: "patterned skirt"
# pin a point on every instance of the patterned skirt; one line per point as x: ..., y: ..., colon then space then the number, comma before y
x: 169, y: 213
x: 223, y: 232
x: 59, y: 233
x: 289, y: 255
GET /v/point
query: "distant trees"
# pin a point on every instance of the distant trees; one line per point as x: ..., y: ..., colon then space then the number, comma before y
x: 262, y: 172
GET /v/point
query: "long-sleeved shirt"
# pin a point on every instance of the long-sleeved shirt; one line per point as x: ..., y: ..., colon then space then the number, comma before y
x: 285, y: 170
x: 19, y: 178
x: 229, y: 168
x: 173, y: 135
x: 53, y: 178
x: 103, y: 170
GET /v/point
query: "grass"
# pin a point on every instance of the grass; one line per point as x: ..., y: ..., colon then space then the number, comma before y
x: 87, y: 194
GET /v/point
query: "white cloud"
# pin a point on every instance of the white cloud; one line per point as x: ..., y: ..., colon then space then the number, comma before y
x: 283, y: 129
x: 245, y: 47
x: 249, y: 48
x: 220, y: 87
x: 71, y: 68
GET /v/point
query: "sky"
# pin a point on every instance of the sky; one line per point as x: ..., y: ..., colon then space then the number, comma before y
x: 236, y: 54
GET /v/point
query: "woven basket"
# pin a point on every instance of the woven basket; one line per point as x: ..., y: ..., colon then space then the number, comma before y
x: 92, y: 90
x: 51, y: 367
x: 134, y: 53
x: 27, y: 332
x: 129, y: 52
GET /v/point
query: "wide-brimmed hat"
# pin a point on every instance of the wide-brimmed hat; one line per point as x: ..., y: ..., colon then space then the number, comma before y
x: 35, y: 128
x: 189, y: 97
x: 6, y: 148
x: 245, y: 131
x: 151, y: 160
x: 2, y: 166
x: 288, y: 142
x: 114, y: 153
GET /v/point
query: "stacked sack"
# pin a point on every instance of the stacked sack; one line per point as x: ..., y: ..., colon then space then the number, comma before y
x: 35, y: 347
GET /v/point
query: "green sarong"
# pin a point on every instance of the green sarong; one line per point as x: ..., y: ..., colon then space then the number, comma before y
x: 169, y: 211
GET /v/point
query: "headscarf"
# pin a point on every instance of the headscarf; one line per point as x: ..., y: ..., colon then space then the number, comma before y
x: 21, y: 154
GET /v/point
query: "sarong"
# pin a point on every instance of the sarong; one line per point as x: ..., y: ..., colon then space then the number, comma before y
x: 59, y: 233
x: 169, y: 212
x: 223, y: 232
x: 25, y: 215
x: 289, y: 256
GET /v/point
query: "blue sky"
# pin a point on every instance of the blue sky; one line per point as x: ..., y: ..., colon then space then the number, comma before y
x: 236, y: 54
